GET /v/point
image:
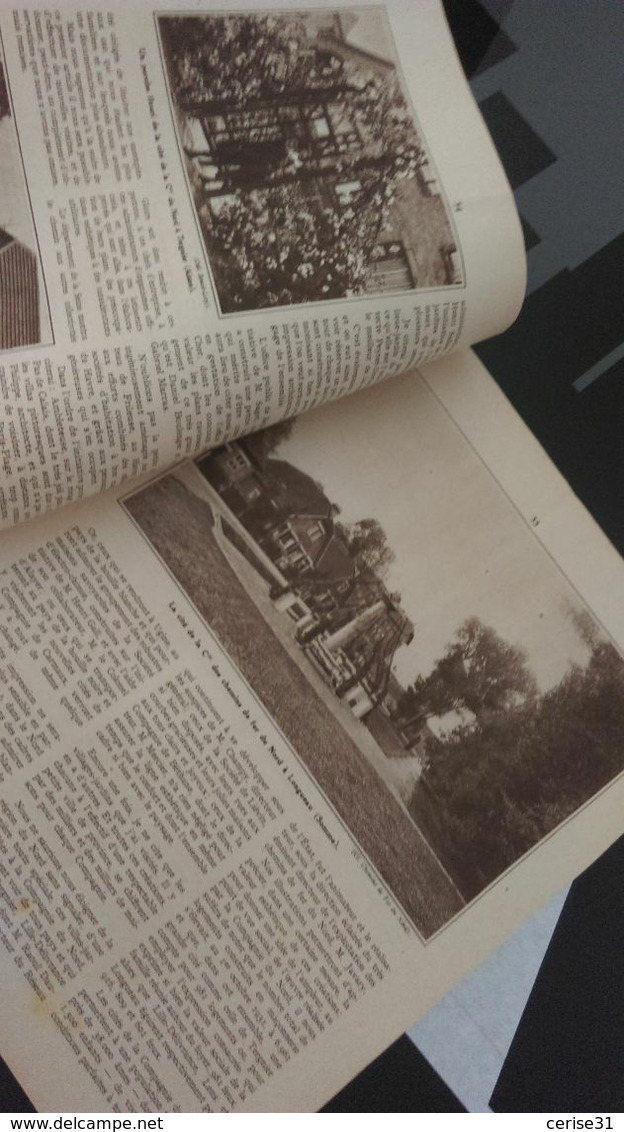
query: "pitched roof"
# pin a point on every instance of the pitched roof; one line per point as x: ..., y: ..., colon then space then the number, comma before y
x: 329, y: 553
x: 293, y: 489
x: 335, y: 560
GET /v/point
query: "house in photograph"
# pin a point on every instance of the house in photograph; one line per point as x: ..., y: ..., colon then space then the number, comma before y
x: 19, y: 294
x: 306, y: 137
x: 308, y: 544
x: 348, y: 624
x: 234, y: 473
x: 315, y: 560
x: 291, y: 519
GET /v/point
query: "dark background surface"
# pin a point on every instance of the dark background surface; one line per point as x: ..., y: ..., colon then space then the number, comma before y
x: 548, y: 78
x: 567, y: 1054
x: 554, y: 90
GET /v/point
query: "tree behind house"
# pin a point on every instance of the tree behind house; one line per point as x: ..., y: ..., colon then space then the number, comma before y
x: 494, y: 788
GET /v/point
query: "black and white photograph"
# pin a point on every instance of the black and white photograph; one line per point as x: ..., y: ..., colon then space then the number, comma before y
x: 24, y: 318
x: 308, y: 173
x: 430, y: 665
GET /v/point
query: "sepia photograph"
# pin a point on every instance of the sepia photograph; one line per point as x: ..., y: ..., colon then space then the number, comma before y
x: 308, y: 173
x: 24, y: 318
x: 431, y: 667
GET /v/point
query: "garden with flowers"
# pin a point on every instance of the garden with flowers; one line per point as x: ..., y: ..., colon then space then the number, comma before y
x: 304, y: 142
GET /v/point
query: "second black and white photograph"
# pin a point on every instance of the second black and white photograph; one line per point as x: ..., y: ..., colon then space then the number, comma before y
x: 308, y: 172
x: 24, y: 316
x: 431, y: 667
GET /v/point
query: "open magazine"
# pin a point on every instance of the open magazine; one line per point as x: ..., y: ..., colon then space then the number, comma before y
x: 299, y: 714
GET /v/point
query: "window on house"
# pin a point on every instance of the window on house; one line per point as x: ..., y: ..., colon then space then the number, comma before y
x: 287, y: 542
x: 321, y: 127
x: 236, y: 459
x: 296, y: 610
x: 347, y: 192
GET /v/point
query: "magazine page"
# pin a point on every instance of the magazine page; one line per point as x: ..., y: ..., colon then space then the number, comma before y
x: 293, y: 736
x: 213, y: 220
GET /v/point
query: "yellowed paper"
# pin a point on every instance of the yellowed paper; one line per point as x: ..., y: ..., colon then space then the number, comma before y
x: 230, y: 879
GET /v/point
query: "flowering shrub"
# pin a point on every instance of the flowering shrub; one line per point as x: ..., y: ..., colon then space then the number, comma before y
x: 308, y: 146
